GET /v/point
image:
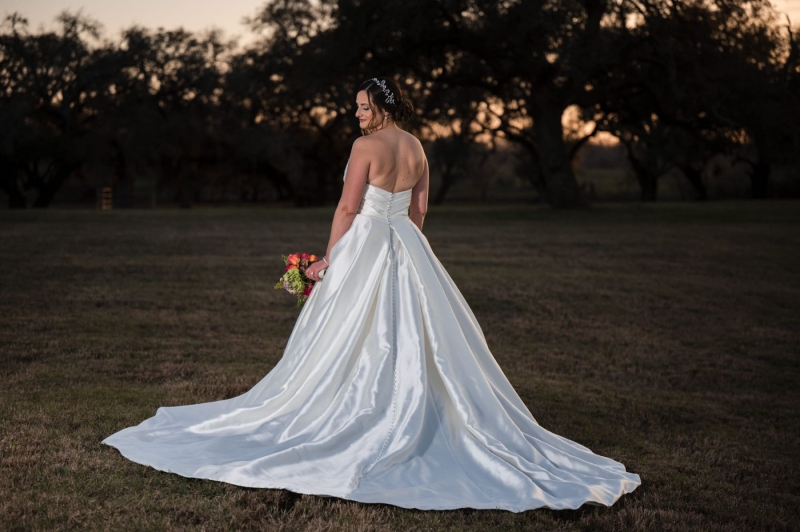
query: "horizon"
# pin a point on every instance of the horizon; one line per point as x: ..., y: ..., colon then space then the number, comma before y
x: 192, y: 16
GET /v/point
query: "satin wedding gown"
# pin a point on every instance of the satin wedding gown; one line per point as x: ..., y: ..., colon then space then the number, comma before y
x: 386, y: 393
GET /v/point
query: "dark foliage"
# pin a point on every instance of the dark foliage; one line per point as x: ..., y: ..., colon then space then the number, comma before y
x: 679, y: 82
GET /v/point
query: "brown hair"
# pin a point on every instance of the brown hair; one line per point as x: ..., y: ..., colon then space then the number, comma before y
x: 385, y: 95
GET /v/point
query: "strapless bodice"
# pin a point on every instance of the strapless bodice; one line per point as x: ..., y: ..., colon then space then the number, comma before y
x: 382, y: 204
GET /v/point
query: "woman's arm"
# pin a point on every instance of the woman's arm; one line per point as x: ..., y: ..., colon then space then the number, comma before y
x: 354, y: 183
x: 419, y: 198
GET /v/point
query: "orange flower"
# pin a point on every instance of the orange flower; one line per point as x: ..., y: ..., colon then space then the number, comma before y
x: 312, y: 258
x: 294, y: 259
x: 291, y: 267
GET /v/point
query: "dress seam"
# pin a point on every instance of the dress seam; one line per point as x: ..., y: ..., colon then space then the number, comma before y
x: 392, y: 348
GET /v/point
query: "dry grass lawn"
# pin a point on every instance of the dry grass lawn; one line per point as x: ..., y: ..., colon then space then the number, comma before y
x: 664, y: 336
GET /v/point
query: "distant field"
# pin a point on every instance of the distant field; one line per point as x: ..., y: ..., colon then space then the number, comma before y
x: 665, y: 336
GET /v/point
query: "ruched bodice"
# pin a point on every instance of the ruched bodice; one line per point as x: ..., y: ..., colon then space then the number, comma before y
x: 382, y: 204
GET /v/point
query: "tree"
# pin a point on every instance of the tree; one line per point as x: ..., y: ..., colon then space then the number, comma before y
x: 525, y: 62
x: 694, y: 75
x: 49, y: 86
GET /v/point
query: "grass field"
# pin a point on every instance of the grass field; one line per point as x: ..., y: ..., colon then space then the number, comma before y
x: 664, y: 336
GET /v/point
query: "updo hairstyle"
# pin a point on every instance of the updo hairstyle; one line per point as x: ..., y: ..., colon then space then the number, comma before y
x: 385, y: 95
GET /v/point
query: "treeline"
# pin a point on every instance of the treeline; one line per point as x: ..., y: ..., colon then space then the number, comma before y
x: 678, y: 82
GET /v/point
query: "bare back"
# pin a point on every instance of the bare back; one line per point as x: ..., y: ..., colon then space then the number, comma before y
x: 397, y: 160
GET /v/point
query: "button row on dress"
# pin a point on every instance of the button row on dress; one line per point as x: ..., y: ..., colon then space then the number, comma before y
x: 393, y: 348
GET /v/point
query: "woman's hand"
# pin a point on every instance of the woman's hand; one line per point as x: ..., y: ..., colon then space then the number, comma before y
x: 312, y: 272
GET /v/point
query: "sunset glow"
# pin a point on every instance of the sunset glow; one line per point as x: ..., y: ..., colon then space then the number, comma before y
x: 193, y: 16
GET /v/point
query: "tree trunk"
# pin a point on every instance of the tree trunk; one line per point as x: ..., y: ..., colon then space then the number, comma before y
x: 759, y: 179
x: 16, y: 199
x: 696, y: 179
x: 8, y: 182
x: 447, y: 182
x: 123, y: 192
x: 648, y: 183
x: 279, y: 180
x: 186, y: 190
x: 560, y: 183
x: 649, y: 187
x: 54, y: 184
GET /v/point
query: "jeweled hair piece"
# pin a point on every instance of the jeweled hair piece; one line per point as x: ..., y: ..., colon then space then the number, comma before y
x: 389, y: 94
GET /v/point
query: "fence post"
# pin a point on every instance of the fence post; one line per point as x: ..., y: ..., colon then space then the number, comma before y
x: 106, y: 198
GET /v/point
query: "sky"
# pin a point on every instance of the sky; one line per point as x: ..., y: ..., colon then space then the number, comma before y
x: 114, y: 15
x: 193, y: 15
x: 791, y: 7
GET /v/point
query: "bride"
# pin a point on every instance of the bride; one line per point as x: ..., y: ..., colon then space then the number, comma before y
x: 387, y: 391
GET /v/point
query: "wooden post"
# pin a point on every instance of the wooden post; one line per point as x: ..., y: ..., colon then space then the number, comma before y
x: 106, y: 202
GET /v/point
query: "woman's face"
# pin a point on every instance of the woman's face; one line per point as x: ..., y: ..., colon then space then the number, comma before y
x: 363, y: 112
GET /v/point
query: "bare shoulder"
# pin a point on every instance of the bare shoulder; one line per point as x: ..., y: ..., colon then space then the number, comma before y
x: 414, y: 143
x: 362, y: 147
x: 362, y: 142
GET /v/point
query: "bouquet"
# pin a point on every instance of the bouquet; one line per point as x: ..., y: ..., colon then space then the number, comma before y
x: 294, y: 278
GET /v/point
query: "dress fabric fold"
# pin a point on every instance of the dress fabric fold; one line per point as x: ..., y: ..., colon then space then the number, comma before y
x: 386, y: 393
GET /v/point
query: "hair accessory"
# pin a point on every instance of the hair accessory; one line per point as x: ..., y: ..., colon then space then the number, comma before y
x: 389, y: 94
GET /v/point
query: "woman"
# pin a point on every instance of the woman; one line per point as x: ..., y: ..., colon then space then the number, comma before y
x: 387, y: 391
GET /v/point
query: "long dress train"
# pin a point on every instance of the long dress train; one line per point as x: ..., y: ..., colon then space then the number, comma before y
x: 386, y: 393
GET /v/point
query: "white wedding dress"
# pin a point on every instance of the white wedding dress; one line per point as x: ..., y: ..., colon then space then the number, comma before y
x: 386, y: 393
